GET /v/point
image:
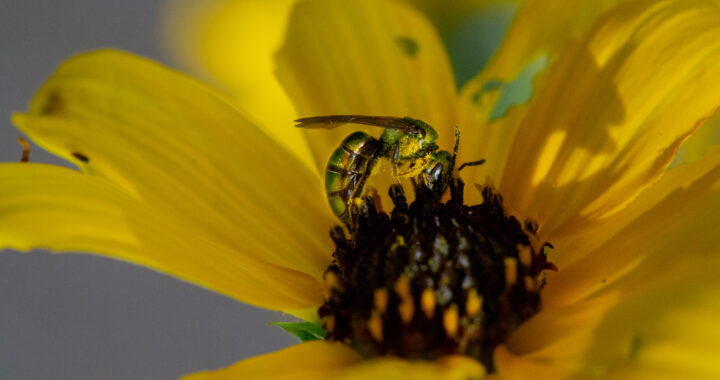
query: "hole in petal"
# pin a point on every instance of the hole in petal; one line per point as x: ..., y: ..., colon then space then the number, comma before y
x: 85, y: 159
x: 520, y: 89
x: 53, y: 104
x: 408, y: 46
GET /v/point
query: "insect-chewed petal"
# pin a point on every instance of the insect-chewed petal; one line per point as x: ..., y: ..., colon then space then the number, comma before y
x: 181, y: 147
x: 586, y: 151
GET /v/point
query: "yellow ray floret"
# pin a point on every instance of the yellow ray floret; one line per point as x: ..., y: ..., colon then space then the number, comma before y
x: 61, y: 209
x: 179, y: 146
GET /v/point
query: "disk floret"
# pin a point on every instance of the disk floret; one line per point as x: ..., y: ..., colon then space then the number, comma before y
x: 432, y: 278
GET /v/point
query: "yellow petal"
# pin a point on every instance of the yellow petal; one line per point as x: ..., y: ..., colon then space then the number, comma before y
x: 577, y: 243
x: 701, y: 141
x: 541, y: 27
x: 387, y: 368
x: 514, y: 367
x: 537, y: 35
x: 666, y: 324
x: 365, y: 57
x: 661, y: 249
x: 179, y: 146
x: 659, y: 323
x: 552, y: 344
x: 233, y: 42
x: 44, y: 206
x: 311, y: 360
x: 608, y: 117
x: 644, y: 305
x: 490, y: 140
x: 680, y: 212
x: 325, y: 360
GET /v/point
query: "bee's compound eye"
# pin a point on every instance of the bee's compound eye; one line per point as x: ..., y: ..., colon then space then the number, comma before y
x: 433, y: 175
x: 436, y: 171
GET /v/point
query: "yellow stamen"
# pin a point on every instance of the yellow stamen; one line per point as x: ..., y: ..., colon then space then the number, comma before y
x: 402, y: 287
x: 473, y: 304
x: 510, y: 271
x: 530, y: 284
x: 441, y: 245
x: 399, y: 242
x: 406, y: 309
x: 375, y: 326
x: 331, y: 282
x: 450, y: 321
x: 381, y: 300
x: 525, y: 255
x: 330, y: 323
x: 427, y: 301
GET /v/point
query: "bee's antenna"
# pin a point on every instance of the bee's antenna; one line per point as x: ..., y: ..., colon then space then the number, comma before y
x: 456, y: 147
x: 471, y: 163
x: 455, y: 151
x: 395, y: 159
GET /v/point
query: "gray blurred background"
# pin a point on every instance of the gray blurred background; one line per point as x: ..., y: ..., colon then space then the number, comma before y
x: 85, y: 317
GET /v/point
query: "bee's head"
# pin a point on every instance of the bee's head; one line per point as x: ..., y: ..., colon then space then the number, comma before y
x: 422, y: 133
x: 426, y: 134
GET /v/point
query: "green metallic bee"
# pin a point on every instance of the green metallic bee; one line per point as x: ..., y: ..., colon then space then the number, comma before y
x: 408, y: 143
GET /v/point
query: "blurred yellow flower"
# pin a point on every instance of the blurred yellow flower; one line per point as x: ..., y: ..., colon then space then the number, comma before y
x: 223, y: 192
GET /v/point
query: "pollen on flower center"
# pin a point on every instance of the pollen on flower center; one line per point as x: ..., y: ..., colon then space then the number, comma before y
x: 432, y: 278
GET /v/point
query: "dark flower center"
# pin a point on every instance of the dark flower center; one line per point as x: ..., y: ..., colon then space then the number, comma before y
x: 432, y: 278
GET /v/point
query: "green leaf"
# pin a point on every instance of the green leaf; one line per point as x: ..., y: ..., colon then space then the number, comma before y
x: 304, y: 331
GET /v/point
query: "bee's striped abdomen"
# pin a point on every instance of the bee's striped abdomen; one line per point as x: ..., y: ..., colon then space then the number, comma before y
x: 348, y: 167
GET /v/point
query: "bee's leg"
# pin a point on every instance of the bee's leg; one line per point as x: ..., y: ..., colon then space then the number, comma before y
x: 363, y: 181
x: 471, y: 163
x: 414, y: 181
x: 376, y: 198
x: 395, y: 159
x: 359, y: 187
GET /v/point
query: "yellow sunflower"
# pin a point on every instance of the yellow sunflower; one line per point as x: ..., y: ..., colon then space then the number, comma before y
x: 176, y: 177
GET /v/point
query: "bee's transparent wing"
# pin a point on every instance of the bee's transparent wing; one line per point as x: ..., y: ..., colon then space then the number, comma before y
x: 405, y: 124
